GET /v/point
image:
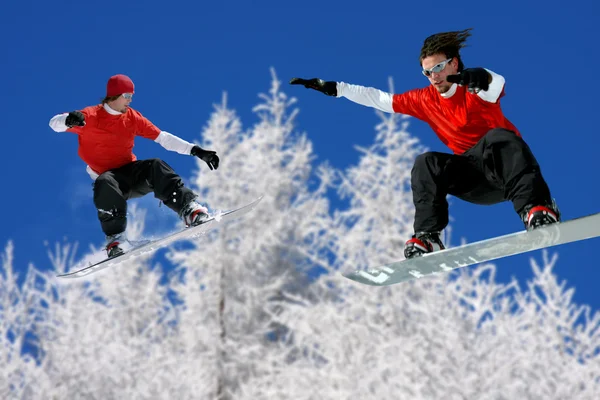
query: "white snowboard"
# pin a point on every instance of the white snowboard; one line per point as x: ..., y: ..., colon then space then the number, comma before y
x: 479, y: 252
x: 152, y: 245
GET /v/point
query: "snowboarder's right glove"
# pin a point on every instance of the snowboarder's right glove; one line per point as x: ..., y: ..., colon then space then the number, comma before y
x: 327, y: 87
x: 208, y: 156
x: 476, y: 78
x: 75, y: 118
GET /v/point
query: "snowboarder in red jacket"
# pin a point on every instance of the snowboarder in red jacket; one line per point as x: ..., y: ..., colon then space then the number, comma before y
x: 490, y: 161
x: 106, y: 134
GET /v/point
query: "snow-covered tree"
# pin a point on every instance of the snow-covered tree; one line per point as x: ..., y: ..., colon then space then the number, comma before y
x: 251, y: 266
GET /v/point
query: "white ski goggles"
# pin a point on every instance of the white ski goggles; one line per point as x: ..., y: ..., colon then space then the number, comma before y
x: 127, y: 95
x: 436, y: 68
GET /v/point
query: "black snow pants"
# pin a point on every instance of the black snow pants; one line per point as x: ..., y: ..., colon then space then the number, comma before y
x: 499, y: 167
x: 113, y: 188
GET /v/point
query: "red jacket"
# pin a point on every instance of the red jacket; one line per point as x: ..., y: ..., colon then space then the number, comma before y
x: 106, y: 141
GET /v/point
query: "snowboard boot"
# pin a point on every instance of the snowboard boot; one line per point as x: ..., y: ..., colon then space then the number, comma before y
x: 422, y: 243
x: 115, y: 244
x: 193, y: 213
x: 534, y: 216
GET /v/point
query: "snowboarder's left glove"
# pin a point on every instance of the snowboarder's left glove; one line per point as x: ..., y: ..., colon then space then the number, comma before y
x: 476, y: 78
x: 327, y: 87
x: 75, y: 118
x: 208, y: 156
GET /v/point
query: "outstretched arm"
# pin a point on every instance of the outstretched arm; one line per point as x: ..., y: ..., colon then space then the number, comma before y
x: 366, y: 96
x: 171, y: 142
x: 176, y: 144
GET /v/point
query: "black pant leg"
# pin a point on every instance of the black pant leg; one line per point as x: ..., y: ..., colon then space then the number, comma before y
x: 111, y: 191
x: 429, y: 184
x: 509, y: 162
x: 157, y: 176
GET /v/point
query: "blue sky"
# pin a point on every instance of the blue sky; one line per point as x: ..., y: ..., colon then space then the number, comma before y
x: 58, y: 55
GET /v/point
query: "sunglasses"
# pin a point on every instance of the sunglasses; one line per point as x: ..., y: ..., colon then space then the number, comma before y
x: 127, y: 95
x: 436, y: 68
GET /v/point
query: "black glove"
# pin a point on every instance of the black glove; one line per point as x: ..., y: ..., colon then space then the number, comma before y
x: 75, y: 118
x: 208, y: 156
x: 327, y: 87
x: 476, y: 78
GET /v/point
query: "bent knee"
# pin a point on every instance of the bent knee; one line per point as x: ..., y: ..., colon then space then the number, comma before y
x: 425, y: 159
x: 157, y: 163
x: 106, y: 178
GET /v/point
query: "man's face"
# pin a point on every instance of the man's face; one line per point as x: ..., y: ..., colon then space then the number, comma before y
x: 121, y: 104
x: 437, y: 62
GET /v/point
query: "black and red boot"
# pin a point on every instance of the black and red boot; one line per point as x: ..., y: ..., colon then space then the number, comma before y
x: 534, y: 216
x: 193, y: 214
x: 115, y: 244
x: 423, y: 243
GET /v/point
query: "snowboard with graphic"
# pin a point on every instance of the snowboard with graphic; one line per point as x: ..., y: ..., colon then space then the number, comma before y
x: 479, y: 252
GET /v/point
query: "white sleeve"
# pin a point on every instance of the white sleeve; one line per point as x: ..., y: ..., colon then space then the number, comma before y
x: 366, y: 96
x: 57, y: 123
x: 174, y: 143
x: 495, y: 90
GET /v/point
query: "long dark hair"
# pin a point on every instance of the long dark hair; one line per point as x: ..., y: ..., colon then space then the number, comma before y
x: 448, y: 43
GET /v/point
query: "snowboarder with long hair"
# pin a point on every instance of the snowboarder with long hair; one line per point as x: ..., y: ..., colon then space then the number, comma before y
x: 490, y: 162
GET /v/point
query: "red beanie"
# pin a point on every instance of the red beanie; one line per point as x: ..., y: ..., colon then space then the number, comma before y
x: 119, y: 84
